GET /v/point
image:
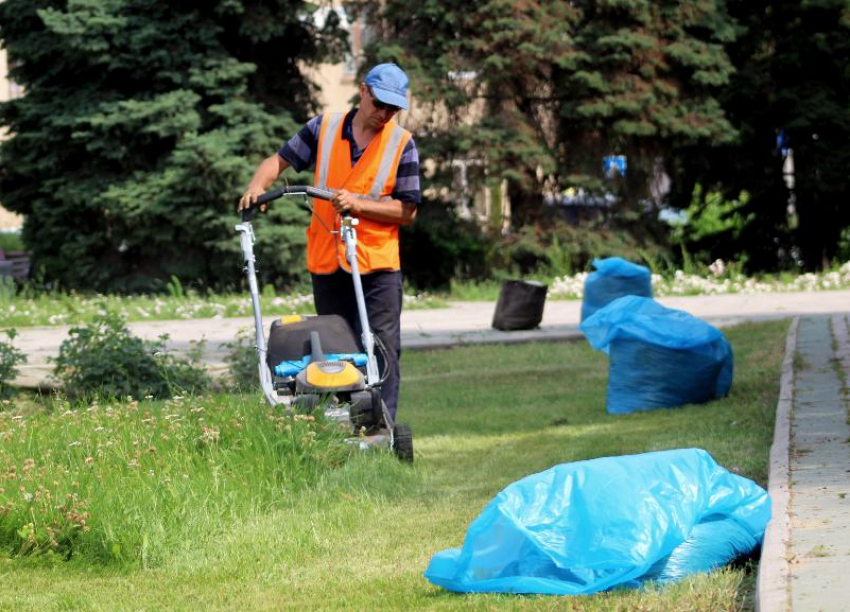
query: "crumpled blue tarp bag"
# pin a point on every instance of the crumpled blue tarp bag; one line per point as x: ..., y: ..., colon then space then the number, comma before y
x: 583, y: 527
x: 614, y: 278
x: 660, y: 357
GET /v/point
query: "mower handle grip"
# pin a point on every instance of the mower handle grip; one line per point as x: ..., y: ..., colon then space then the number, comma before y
x: 274, y: 194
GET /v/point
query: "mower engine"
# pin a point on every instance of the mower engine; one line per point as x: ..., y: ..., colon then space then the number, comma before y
x: 314, y: 378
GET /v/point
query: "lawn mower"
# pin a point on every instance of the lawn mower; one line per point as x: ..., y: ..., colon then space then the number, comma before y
x: 316, y: 362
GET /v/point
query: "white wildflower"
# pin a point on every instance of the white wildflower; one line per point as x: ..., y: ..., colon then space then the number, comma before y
x: 718, y: 267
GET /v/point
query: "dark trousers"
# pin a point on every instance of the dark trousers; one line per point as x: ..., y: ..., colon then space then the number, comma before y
x: 334, y: 294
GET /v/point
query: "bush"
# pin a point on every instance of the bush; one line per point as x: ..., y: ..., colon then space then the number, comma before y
x: 562, y: 248
x: 104, y: 359
x: 242, y: 366
x: 10, y: 359
x: 11, y: 241
x: 440, y: 247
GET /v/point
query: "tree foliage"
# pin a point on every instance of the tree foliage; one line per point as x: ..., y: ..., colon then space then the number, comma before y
x: 646, y: 80
x: 142, y: 122
x: 538, y: 91
x: 791, y: 91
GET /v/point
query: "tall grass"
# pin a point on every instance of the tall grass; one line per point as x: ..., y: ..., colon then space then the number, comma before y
x: 135, y: 482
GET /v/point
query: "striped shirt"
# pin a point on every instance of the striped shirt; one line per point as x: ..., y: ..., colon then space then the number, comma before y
x: 300, y: 153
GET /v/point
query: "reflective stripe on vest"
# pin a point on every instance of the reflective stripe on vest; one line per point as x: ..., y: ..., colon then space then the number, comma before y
x: 323, y: 157
x: 372, y: 177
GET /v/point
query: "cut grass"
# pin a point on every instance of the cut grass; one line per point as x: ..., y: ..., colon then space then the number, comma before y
x: 360, y: 537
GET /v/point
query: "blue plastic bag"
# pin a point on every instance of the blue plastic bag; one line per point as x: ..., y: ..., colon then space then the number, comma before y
x: 614, y: 278
x: 660, y: 357
x: 583, y: 527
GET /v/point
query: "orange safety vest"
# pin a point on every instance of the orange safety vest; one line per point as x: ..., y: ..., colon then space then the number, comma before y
x: 373, y: 177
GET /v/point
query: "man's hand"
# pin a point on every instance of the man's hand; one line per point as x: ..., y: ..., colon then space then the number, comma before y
x: 266, y: 174
x: 345, y: 202
x: 248, y: 198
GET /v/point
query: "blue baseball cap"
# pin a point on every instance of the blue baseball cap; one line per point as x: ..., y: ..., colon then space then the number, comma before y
x: 389, y: 84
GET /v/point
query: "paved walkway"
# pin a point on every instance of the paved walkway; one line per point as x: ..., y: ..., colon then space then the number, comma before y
x: 462, y: 323
x: 806, y: 550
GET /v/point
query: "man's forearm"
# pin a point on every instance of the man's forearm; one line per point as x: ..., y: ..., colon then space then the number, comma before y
x: 267, y: 173
x: 384, y: 211
x: 387, y: 211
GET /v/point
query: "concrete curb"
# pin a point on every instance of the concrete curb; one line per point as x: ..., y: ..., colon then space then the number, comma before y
x: 424, y: 342
x: 842, y: 339
x: 773, y: 575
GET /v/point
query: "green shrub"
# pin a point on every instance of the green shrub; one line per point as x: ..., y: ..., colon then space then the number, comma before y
x: 241, y: 359
x: 104, y: 359
x: 10, y: 359
x: 844, y: 245
x: 562, y: 248
x: 441, y: 247
x: 11, y: 241
x: 523, y: 252
x: 8, y: 289
x: 712, y: 228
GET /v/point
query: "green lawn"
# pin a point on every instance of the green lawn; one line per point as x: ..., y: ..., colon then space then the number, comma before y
x: 28, y: 308
x: 359, y: 536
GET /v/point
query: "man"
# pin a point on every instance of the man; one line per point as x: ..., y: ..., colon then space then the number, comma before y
x: 373, y: 166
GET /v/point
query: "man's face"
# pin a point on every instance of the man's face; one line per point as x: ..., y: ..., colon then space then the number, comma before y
x: 376, y: 113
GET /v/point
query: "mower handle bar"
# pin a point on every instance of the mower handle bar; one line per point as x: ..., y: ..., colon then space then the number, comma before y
x: 274, y: 194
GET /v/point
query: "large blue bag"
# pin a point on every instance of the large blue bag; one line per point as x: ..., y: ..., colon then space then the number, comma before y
x: 614, y: 278
x: 589, y: 526
x: 659, y: 357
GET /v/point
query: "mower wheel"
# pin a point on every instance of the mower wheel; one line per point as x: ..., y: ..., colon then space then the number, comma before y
x: 403, y: 442
x: 362, y: 411
x: 377, y: 406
